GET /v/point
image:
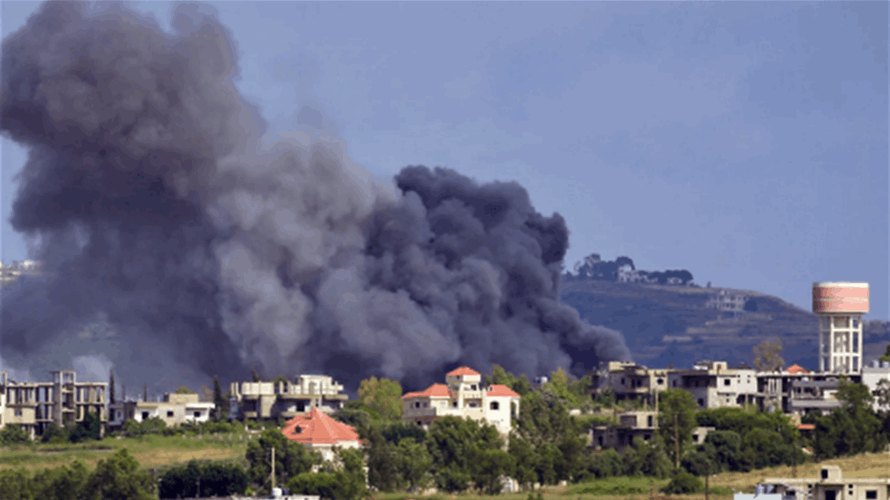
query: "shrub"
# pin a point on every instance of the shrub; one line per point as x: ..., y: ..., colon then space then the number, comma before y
x: 13, y: 434
x: 697, y: 463
x: 618, y: 486
x: 683, y: 483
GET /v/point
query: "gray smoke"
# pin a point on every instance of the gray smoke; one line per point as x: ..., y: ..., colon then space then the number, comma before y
x: 154, y: 202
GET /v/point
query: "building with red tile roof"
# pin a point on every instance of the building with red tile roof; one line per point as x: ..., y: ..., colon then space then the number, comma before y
x: 463, y: 395
x: 319, y: 432
x: 463, y: 370
x: 796, y: 369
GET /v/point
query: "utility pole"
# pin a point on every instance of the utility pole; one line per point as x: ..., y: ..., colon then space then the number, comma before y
x: 676, y: 443
x: 707, y: 477
x: 273, y: 467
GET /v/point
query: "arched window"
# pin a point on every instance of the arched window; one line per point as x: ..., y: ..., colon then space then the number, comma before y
x: 494, y: 405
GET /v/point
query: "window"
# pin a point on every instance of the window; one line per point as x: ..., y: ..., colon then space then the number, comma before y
x: 675, y: 383
x: 726, y: 381
x: 871, y: 494
x: 419, y: 422
x: 197, y: 414
x: 417, y: 404
x: 145, y: 415
x: 18, y: 413
x: 622, y: 380
x: 473, y: 387
x: 646, y: 437
x: 494, y: 406
x: 119, y: 416
x: 824, y: 474
x: 472, y: 404
x: 660, y: 381
x: 424, y: 404
x: 701, y: 402
x: 169, y: 414
x: 649, y: 421
x: 454, y: 404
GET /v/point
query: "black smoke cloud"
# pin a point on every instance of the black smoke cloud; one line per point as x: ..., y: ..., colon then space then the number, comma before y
x: 154, y: 202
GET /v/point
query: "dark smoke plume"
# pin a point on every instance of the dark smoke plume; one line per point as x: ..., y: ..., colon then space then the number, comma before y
x: 153, y: 202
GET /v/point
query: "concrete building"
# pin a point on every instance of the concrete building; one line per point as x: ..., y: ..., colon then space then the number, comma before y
x: 830, y: 485
x: 714, y: 385
x: 174, y: 410
x: 463, y: 396
x: 729, y: 304
x: 629, y: 381
x: 285, y: 399
x: 34, y: 405
x: 641, y: 424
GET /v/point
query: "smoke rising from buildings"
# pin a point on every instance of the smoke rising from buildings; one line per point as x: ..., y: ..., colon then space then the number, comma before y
x: 153, y: 201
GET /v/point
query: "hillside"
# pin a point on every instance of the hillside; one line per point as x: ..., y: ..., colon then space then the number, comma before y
x: 670, y: 324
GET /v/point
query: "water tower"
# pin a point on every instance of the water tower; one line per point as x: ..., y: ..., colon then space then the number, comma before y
x: 840, y: 307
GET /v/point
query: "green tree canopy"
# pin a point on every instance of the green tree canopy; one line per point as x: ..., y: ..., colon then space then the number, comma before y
x: 382, y: 396
x: 291, y: 458
x: 184, y: 390
x: 519, y: 385
x: 676, y: 421
x: 767, y: 356
x: 120, y: 477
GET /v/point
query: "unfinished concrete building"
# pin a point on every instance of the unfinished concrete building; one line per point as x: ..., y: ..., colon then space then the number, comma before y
x: 33, y: 406
x: 285, y: 399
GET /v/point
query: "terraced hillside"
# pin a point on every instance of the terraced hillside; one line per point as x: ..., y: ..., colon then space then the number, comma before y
x: 670, y: 324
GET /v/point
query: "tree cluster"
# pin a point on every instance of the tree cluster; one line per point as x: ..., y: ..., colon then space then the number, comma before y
x: 593, y: 267
x: 198, y: 479
x: 117, y: 477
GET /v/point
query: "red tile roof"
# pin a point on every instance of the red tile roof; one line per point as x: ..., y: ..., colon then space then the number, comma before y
x: 797, y: 369
x: 498, y: 390
x: 318, y: 428
x: 806, y: 427
x: 435, y: 391
x: 463, y: 370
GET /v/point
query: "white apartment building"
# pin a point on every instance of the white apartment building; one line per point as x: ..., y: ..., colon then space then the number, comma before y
x: 286, y: 399
x: 463, y: 395
x: 174, y: 410
x: 713, y: 385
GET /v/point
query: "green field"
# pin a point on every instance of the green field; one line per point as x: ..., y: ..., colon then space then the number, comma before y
x: 151, y: 451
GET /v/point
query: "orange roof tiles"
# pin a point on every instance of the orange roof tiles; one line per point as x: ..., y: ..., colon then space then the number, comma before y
x: 797, y: 369
x: 498, y: 390
x: 463, y: 370
x: 806, y: 427
x: 435, y: 391
x: 318, y: 428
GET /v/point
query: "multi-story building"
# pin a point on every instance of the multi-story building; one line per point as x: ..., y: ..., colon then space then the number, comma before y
x: 729, y: 304
x: 629, y: 381
x: 634, y: 424
x: 463, y: 395
x: 285, y: 399
x: 33, y: 406
x: 174, y: 410
x: 830, y: 485
x: 714, y: 385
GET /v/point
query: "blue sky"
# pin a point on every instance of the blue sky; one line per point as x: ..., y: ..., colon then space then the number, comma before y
x: 745, y: 142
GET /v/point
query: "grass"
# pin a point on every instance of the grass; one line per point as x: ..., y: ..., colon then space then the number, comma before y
x: 151, y: 451
x: 722, y: 486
